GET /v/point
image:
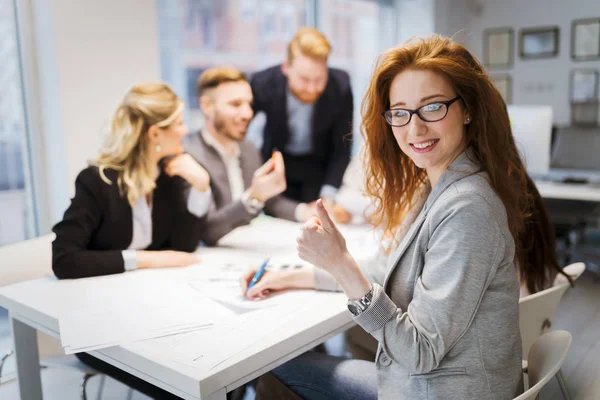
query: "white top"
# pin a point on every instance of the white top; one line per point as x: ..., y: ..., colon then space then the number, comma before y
x: 198, y: 204
x: 232, y: 165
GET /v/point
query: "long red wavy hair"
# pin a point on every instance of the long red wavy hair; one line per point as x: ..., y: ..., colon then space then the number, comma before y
x: 392, y: 179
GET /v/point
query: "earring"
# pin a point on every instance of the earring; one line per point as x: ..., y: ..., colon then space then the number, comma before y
x: 468, y: 119
x: 158, y: 148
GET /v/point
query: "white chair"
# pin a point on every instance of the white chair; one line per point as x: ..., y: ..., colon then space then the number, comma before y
x: 573, y: 270
x: 546, y: 357
x: 32, y: 259
x: 536, y: 314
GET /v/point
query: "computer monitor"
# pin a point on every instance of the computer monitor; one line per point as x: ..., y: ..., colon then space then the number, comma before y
x: 532, y: 128
x: 575, y: 154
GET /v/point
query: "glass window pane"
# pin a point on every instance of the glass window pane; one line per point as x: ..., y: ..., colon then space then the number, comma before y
x: 198, y: 34
x: 16, y: 205
x: 354, y: 29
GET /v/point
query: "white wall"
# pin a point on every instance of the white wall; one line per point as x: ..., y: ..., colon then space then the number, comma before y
x: 89, y: 53
x: 415, y: 18
x: 544, y: 81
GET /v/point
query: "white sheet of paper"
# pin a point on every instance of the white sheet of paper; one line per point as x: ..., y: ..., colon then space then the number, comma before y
x: 208, y: 348
x: 229, y: 293
x: 138, y: 316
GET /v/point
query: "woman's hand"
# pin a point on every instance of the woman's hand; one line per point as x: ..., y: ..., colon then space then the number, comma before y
x: 165, y: 259
x: 321, y: 244
x: 185, y: 166
x: 273, y: 281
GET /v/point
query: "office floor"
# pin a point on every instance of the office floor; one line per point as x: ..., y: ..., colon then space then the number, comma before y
x: 579, y: 313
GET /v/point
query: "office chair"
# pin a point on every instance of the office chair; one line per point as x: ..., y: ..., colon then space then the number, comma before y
x: 536, y: 315
x: 546, y: 357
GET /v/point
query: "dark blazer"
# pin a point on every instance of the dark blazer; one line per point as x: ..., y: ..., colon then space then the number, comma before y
x: 228, y: 214
x: 98, y: 225
x: 331, y: 120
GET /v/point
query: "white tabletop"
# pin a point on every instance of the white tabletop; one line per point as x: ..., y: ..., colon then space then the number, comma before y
x: 568, y: 191
x: 39, y: 303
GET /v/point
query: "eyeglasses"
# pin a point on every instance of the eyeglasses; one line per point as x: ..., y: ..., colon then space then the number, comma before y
x: 432, y: 112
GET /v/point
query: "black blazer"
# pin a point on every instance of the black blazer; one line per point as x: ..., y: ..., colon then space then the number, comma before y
x: 331, y: 120
x: 98, y: 225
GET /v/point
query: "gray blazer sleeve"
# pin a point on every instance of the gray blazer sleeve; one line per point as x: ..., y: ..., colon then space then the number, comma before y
x: 465, y: 248
x: 281, y: 207
x: 222, y: 221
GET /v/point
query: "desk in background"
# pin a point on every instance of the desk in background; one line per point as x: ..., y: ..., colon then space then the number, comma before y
x: 573, y: 208
x: 569, y: 191
x: 37, y: 305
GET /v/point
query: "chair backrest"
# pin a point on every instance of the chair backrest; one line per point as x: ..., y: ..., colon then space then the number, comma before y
x: 536, y: 314
x: 26, y: 260
x: 573, y: 270
x: 546, y: 357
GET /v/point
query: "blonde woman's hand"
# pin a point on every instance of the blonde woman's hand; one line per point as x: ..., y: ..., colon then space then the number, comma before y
x: 165, y: 259
x: 185, y: 166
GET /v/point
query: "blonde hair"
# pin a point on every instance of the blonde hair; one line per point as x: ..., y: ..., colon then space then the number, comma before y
x: 213, y: 77
x: 127, y: 147
x: 309, y: 42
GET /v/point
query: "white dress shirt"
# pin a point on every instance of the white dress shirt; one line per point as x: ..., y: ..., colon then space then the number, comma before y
x: 197, y: 204
x: 234, y: 173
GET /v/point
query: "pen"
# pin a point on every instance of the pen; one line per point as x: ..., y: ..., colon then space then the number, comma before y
x: 259, y: 273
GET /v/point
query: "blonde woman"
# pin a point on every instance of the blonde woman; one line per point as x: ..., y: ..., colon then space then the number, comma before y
x: 142, y: 203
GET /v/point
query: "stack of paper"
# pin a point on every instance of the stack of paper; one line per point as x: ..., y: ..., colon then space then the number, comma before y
x: 208, y: 348
x: 164, y: 308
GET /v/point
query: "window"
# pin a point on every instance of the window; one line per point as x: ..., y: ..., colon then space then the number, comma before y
x: 253, y: 34
x: 357, y: 32
x: 17, y: 216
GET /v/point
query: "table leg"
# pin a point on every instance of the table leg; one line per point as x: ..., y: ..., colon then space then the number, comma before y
x: 27, y: 360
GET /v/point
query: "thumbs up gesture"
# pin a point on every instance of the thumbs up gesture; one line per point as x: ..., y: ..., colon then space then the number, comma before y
x: 321, y: 243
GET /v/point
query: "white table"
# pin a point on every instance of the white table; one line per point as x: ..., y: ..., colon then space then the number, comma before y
x: 568, y: 191
x: 36, y: 305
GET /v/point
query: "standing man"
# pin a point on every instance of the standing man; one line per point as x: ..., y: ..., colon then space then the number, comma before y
x: 309, y: 110
x: 241, y: 187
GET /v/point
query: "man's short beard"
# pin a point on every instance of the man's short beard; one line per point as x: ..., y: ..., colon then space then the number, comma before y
x: 220, y: 127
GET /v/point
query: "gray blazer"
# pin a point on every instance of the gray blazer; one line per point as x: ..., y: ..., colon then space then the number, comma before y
x: 445, y: 304
x: 227, y: 215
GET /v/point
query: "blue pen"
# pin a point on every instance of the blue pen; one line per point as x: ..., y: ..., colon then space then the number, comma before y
x: 258, y: 274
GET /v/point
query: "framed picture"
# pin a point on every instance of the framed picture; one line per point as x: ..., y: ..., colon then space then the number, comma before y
x: 584, y: 114
x: 498, y: 47
x: 584, y: 85
x: 585, y: 39
x: 539, y: 42
x: 504, y: 85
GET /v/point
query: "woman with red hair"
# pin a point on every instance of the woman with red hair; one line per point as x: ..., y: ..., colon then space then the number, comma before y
x: 450, y: 191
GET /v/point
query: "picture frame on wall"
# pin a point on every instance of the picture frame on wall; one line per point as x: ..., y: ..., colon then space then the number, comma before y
x: 539, y: 42
x: 504, y: 85
x: 585, y: 114
x: 498, y: 47
x: 585, y: 39
x: 584, y: 85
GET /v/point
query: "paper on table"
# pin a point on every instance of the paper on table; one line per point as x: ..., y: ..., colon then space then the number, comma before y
x: 137, y: 317
x: 230, y: 293
x: 208, y: 348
